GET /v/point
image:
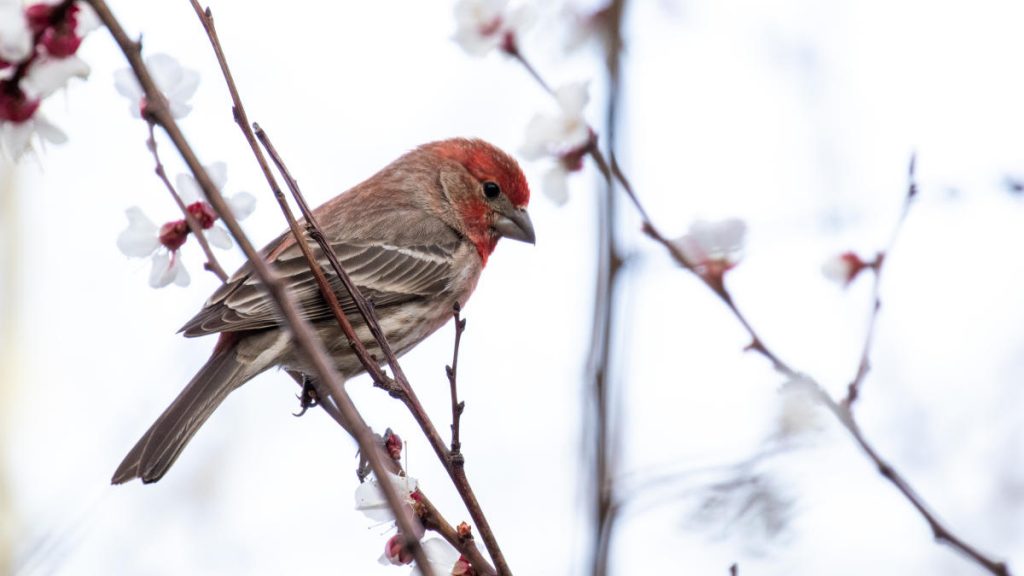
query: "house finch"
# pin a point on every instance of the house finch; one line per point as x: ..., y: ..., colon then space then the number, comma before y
x: 414, y: 238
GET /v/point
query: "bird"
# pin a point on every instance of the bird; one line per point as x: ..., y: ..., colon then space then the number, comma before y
x: 414, y: 238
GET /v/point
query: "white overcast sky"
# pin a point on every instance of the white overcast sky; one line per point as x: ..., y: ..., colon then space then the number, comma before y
x: 797, y: 116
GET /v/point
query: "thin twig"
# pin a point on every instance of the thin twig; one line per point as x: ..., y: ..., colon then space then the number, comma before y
x: 398, y: 386
x: 453, y: 374
x: 197, y: 230
x: 463, y: 542
x: 941, y: 533
x: 864, y: 366
x: 302, y: 333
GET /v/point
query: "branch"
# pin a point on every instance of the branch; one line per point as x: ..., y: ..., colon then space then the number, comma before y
x: 606, y: 509
x: 302, y: 333
x: 453, y: 373
x: 864, y: 366
x: 941, y: 533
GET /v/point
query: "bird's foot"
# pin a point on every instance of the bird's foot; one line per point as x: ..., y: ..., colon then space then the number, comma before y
x: 308, y: 398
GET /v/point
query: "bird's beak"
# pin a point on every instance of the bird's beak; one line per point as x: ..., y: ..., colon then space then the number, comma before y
x: 515, y: 226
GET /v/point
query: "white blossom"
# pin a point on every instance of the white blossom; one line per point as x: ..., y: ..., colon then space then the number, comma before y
x: 241, y: 204
x: 370, y: 498
x: 167, y: 268
x: 555, y: 184
x: 441, y: 556
x: 483, y: 25
x: 563, y: 136
x: 798, y: 408
x: 48, y: 75
x: 564, y: 131
x: 15, y: 36
x: 87, y: 20
x: 713, y: 242
x: 176, y: 83
x: 16, y: 138
x: 141, y: 239
x: 843, y: 268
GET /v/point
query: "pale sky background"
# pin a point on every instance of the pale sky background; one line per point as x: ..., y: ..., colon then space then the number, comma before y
x: 797, y: 116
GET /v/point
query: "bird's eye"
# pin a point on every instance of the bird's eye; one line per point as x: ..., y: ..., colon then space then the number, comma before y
x: 491, y: 190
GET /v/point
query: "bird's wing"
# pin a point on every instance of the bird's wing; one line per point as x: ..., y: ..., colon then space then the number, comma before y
x: 387, y: 275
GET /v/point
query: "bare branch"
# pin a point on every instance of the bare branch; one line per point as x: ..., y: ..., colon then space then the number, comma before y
x: 453, y: 372
x: 864, y: 366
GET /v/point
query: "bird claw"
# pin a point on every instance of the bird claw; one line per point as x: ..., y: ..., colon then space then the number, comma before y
x: 308, y: 398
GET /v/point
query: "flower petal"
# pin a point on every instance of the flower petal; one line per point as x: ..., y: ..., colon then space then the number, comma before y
x: 188, y: 188
x: 218, y: 238
x: 706, y: 241
x: 140, y: 239
x: 47, y: 131
x: 573, y: 97
x: 161, y: 274
x: 185, y: 88
x: 176, y: 83
x: 16, y: 138
x: 837, y: 269
x: 556, y: 185
x: 242, y: 205
x: 15, y: 36
x: 370, y: 499
x: 181, y: 276
x: 218, y: 172
x: 166, y: 71
x: 178, y: 109
x: 539, y: 137
x: 128, y: 86
x: 88, y: 20
x: 49, y: 75
x: 167, y: 268
x: 441, y: 556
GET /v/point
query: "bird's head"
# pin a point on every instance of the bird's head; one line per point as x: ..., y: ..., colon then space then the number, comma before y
x: 486, y: 191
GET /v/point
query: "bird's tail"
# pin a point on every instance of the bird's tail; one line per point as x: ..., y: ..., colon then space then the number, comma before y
x: 160, y: 446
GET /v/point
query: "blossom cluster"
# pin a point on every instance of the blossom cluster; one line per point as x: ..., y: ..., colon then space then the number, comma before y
x: 443, y: 558
x: 143, y: 239
x: 38, y: 46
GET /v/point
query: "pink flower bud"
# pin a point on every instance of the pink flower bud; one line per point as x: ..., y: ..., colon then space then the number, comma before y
x: 39, y: 16
x: 396, y: 552
x: 173, y: 234
x: 463, y: 567
x: 55, y: 27
x: 61, y: 42
x: 393, y: 444
x: 203, y: 213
